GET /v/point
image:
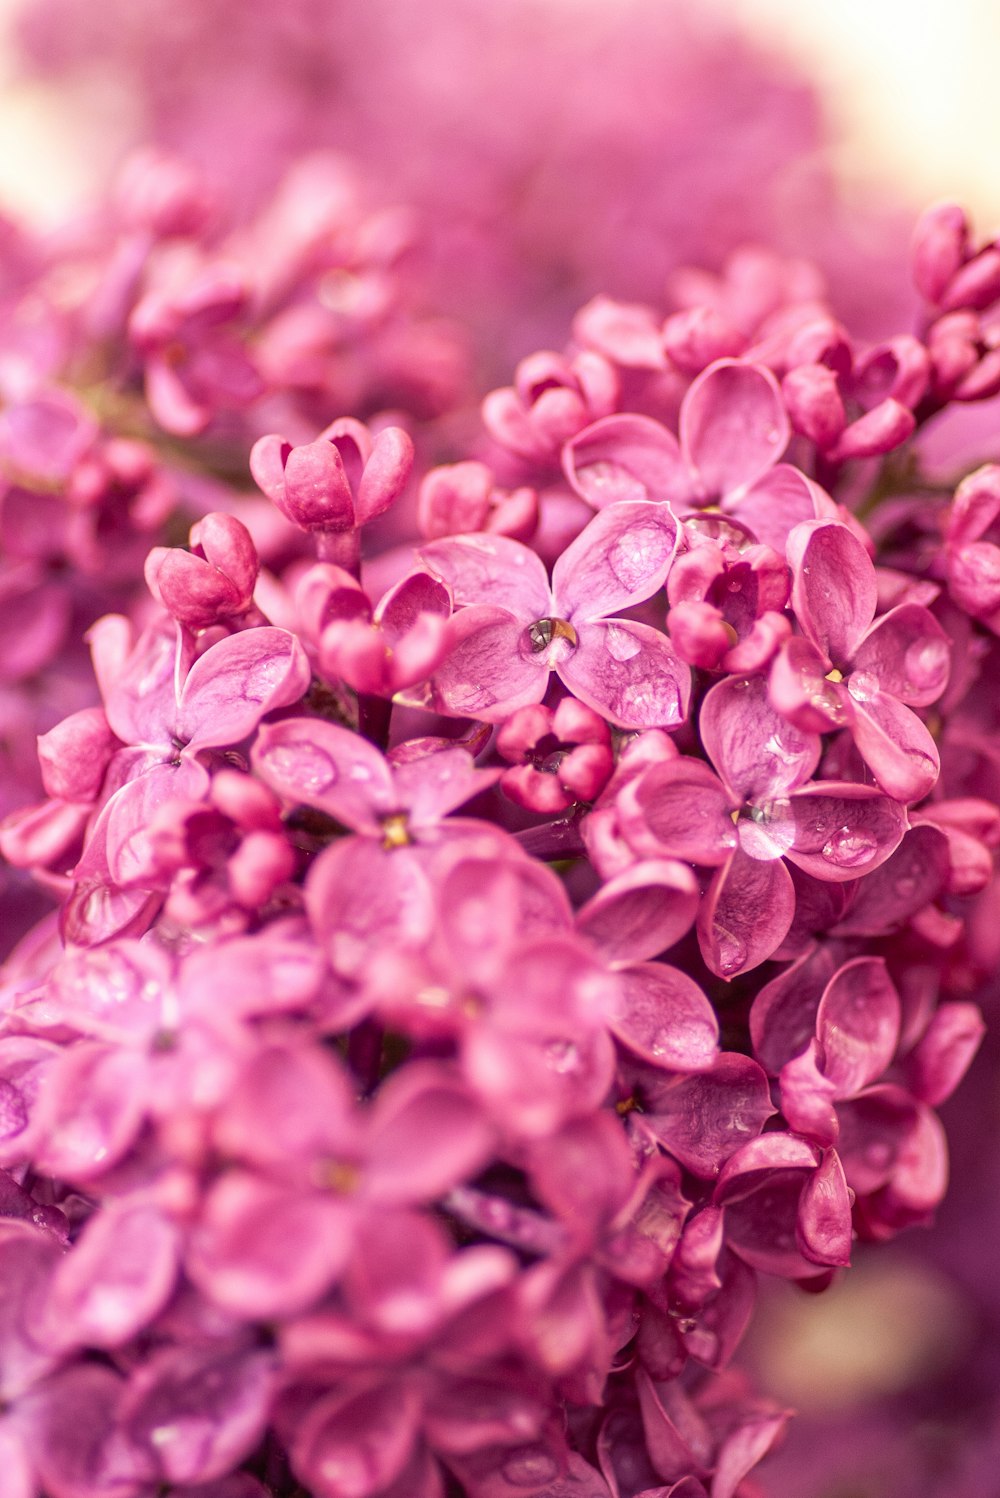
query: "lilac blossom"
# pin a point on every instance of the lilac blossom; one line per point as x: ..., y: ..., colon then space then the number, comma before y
x: 513, y: 629
x: 854, y: 673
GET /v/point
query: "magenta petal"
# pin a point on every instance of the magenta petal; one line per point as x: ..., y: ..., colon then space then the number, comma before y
x: 641, y: 912
x: 666, y: 1019
x: 941, y: 1057
x: 783, y: 1015
x: 742, y: 1449
x: 677, y: 809
x: 895, y: 744
x: 858, y: 1025
x: 874, y: 1129
x: 351, y: 1445
x: 385, y: 474
x: 703, y: 1118
x: 626, y: 458
x: 628, y: 673
x: 198, y: 1411
x: 807, y: 1098
x: 834, y: 591
x: 311, y: 762
x: 800, y: 691
x: 908, y: 654
x: 262, y: 1250
x: 118, y: 1275
x: 491, y: 569
x: 90, y: 1108
x: 757, y: 753
x: 621, y: 558
x: 237, y: 681
x: 774, y: 504
x: 315, y: 493
x: 824, y: 1225
x: 27, y: 1260
x: 734, y: 426
x: 428, y: 1132
x: 489, y: 671
x: 843, y: 831
x: 915, y: 874
x: 745, y: 914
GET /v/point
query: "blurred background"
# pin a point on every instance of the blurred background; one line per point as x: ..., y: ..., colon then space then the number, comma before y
x: 553, y: 149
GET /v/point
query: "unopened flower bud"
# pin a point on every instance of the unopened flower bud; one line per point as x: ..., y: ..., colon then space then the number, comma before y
x: 939, y: 248
x: 214, y: 580
x: 815, y: 408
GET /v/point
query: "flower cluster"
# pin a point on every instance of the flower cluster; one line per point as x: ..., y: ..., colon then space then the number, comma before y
x: 488, y: 941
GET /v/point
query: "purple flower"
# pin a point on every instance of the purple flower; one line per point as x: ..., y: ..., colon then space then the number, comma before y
x: 513, y: 629
x: 849, y: 672
x: 733, y: 430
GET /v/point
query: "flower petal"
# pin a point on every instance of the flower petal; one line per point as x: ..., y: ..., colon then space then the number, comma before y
x: 237, y: 681
x: 310, y: 762
x: 627, y: 457
x: 745, y: 914
x: 758, y: 755
x: 629, y: 673
x: 733, y: 426
x: 621, y: 558
x: 908, y: 654
x: 491, y: 569
x: 834, y: 591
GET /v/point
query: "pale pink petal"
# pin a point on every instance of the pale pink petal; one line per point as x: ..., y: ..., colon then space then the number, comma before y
x: 665, y: 1018
x: 197, y: 1411
x: 621, y: 558
x: 677, y: 809
x: 734, y: 426
x: 758, y: 755
x: 119, y: 1274
x: 894, y: 743
x: 312, y: 762
x: 490, y: 670
x: 627, y: 457
x: 628, y: 673
x: 703, y: 1118
x: 843, y: 831
x: 435, y: 785
x: 857, y: 1025
x: 944, y: 1052
x: 775, y: 503
x: 231, y: 687
x: 353, y: 1444
x: 800, y: 691
x: 642, y: 912
x: 491, y: 569
x: 263, y: 1250
x: 361, y: 898
x: 427, y: 1134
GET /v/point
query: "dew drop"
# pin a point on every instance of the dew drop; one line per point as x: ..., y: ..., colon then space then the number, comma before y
x: 304, y: 768
x: 849, y: 847
x: 529, y: 1467
x: 732, y: 951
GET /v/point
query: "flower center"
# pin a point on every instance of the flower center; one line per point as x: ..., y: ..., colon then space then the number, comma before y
x: 544, y: 631
x: 395, y: 831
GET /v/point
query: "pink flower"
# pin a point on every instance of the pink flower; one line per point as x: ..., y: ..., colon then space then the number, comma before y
x: 513, y: 629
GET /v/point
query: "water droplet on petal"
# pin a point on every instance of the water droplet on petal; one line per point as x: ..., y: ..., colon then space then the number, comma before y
x: 529, y: 1467
x: 850, y: 847
x: 308, y: 769
x: 732, y: 951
